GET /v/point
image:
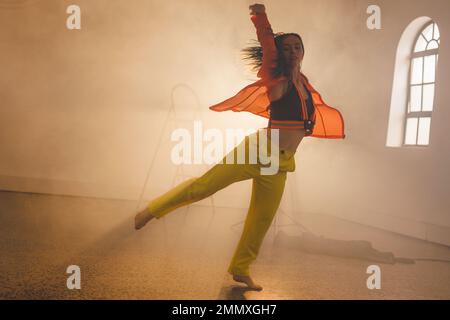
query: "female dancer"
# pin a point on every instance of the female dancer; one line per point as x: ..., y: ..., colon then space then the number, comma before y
x: 294, y: 109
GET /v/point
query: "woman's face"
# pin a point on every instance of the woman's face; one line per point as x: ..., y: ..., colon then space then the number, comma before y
x: 292, y: 51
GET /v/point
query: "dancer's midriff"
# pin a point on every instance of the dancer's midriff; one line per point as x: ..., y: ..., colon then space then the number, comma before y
x: 289, y: 139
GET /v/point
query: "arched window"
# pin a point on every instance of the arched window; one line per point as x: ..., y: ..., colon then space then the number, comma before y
x: 421, y: 88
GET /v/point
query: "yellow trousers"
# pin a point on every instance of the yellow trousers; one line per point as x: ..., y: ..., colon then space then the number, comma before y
x: 267, y: 191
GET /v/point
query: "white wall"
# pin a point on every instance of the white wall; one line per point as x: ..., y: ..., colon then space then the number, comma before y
x: 81, y: 111
x: 399, y: 189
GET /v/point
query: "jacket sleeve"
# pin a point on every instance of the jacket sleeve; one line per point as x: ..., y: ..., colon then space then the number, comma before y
x: 267, y: 42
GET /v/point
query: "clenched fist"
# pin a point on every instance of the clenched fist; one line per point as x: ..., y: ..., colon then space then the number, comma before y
x: 257, y: 9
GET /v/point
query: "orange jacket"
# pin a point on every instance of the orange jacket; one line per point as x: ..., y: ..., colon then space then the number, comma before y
x: 254, y: 98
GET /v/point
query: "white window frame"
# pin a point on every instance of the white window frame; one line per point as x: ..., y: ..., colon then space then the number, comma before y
x: 420, y: 54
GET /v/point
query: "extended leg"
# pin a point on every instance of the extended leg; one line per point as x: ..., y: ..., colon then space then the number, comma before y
x: 195, y: 189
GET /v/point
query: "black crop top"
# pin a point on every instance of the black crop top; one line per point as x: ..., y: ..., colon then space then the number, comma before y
x: 288, y: 107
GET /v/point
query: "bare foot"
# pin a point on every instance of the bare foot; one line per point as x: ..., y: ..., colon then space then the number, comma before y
x: 248, y: 281
x: 142, y: 218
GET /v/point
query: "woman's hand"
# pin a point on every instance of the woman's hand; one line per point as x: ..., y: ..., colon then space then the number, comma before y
x: 257, y: 9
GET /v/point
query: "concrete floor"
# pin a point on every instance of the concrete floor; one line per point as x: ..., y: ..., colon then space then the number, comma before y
x: 185, y: 255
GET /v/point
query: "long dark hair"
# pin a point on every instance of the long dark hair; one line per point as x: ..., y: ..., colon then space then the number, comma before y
x: 254, y: 54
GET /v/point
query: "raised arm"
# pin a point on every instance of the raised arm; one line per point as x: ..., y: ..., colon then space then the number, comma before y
x: 265, y: 38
